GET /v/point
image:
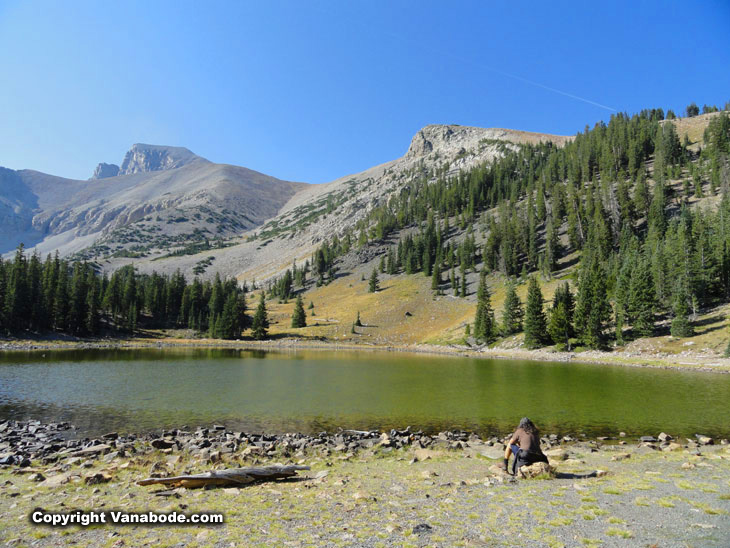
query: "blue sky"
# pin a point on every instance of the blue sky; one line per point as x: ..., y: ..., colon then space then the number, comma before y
x: 311, y: 91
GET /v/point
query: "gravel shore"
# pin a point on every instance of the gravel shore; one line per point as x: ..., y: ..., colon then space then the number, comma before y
x: 397, y: 488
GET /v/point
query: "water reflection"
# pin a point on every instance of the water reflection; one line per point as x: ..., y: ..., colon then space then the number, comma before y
x: 150, y: 389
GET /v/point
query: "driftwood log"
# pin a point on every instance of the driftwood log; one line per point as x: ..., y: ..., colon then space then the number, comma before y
x: 231, y: 477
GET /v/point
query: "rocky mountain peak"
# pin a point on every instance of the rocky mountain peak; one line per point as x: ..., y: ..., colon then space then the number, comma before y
x: 142, y: 158
x: 103, y: 171
x: 429, y: 138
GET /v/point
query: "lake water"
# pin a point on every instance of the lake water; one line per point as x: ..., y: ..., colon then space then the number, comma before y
x: 311, y: 391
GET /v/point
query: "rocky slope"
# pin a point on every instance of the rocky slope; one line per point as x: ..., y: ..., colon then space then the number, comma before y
x: 166, y: 208
x: 319, y: 211
x: 162, y: 199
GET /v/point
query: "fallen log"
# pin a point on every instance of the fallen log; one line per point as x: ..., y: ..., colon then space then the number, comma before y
x: 230, y: 477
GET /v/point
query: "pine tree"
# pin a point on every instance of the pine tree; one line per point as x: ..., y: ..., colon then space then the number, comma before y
x: 436, y: 278
x: 231, y: 320
x: 484, y: 327
x: 260, y: 324
x: 535, y: 324
x: 642, y: 300
x: 374, y: 283
x: 560, y: 324
x: 681, y: 326
x: 299, y: 317
x: 592, y: 309
x: 358, y: 323
x: 512, y: 313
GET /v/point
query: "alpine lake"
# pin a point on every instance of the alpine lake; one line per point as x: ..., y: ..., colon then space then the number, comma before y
x: 142, y: 390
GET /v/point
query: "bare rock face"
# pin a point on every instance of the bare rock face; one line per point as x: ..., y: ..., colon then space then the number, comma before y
x: 430, y: 137
x: 143, y: 158
x: 104, y: 171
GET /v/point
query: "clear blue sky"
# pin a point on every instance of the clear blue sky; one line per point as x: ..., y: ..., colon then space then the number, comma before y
x: 313, y: 90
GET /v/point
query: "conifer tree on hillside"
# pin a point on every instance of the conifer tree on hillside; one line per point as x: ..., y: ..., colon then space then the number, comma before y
x: 299, y: 317
x: 436, y: 278
x: 260, y: 324
x: 592, y: 309
x: 642, y: 301
x: 484, y: 325
x: 374, y: 283
x: 560, y: 324
x: 513, y: 312
x: 681, y: 326
x: 535, y: 324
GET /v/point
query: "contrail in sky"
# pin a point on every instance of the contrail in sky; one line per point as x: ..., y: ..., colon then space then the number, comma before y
x: 476, y: 64
x: 497, y: 71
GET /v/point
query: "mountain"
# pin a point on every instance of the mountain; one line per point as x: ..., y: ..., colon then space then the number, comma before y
x: 159, y: 199
x: 317, y: 212
x: 165, y: 208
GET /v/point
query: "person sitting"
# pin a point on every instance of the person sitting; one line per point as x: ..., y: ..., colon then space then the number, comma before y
x: 525, y: 446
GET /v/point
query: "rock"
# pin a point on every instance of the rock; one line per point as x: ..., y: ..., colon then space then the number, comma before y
x: 162, y: 443
x: 556, y: 454
x: 143, y: 158
x: 498, y: 469
x: 36, y: 477
x: 423, y: 454
x: 621, y: 456
x: 100, y: 449
x: 111, y: 436
x: 103, y: 171
x: 673, y: 446
x: 321, y: 474
x: 704, y: 440
x: 647, y: 439
x: 426, y: 474
x: 688, y: 466
x: 7, y: 460
x: 97, y: 477
x: 57, y: 480
x: 422, y: 528
x: 664, y: 437
x: 537, y: 469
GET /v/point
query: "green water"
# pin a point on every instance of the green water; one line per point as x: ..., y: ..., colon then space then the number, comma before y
x: 308, y: 391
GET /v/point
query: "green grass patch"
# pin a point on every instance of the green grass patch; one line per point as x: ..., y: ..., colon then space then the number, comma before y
x: 616, y: 532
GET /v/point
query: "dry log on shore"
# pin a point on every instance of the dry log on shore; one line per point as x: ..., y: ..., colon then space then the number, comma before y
x: 230, y: 477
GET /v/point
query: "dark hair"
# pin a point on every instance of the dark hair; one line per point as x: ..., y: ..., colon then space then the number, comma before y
x: 528, y: 426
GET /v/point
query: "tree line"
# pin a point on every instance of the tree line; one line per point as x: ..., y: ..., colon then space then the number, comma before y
x: 620, y: 194
x: 55, y: 295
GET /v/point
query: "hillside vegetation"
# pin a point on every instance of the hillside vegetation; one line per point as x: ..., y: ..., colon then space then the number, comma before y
x: 618, y: 234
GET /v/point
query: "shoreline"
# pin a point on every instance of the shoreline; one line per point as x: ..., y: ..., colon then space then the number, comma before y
x: 687, y: 361
x: 367, y: 488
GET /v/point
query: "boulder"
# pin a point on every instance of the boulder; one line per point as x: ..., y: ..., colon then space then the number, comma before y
x: 538, y: 469
x: 97, y: 477
x: 556, y: 454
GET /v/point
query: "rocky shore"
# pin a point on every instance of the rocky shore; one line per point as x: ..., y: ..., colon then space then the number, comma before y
x: 23, y: 442
x: 369, y: 488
